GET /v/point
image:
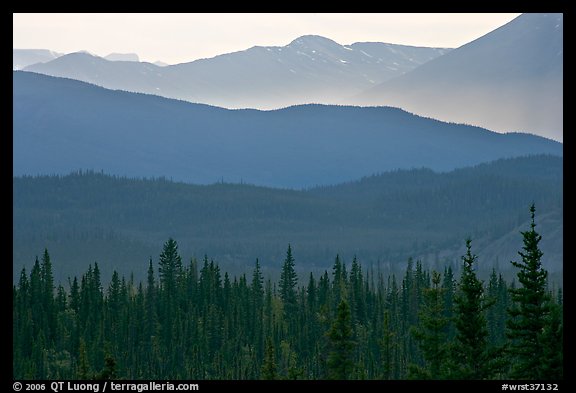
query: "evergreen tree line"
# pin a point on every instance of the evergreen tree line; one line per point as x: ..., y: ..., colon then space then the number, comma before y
x: 190, y: 321
x: 121, y: 221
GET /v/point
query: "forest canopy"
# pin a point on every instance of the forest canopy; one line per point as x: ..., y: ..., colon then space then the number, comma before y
x: 191, y: 320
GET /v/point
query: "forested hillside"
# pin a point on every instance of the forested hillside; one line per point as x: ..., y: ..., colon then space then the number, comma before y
x: 120, y: 223
x: 61, y: 125
x: 310, y: 211
x: 191, y: 320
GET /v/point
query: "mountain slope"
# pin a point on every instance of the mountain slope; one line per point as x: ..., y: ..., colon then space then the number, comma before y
x: 511, y: 79
x: 309, y: 69
x: 22, y: 58
x: 62, y: 125
x: 382, y: 219
x: 122, y: 57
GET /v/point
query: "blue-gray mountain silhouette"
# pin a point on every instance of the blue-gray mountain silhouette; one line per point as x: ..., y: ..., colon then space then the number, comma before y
x: 62, y: 125
x: 24, y: 57
x: 311, y: 69
x: 511, y: 79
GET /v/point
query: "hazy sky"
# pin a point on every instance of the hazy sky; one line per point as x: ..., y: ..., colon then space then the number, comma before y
x: 177, y: 38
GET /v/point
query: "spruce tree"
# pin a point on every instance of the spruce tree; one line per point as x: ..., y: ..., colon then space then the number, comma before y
x: 388, y: 345
x: 74, y: 295
x: 311, y: 291
x: 48, y: 295
x: 530, y: 310
x: 431, y: 333
x: 83, y: 371
x: 170, y: 271
x: 357, y: 295
x: 268, y: 371
x: 553, y: 344
x: 472, y: 357
x: 288, y: 282
x: 170, y: 266
x: 257, y: 284
x: 151, y: 316
x: 449, y: 286
x: 496, y: 316
x: 339, y: 281
x: 340, y: 361
x: 109, y: 371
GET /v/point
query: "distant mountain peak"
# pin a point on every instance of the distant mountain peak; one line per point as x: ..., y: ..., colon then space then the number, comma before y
x: 79, y: 55
x: 24, y: 57
x: 122, y: 57
x: 309, y: 40
x: 311, y: 68
x: 507, y: 80
x: 85, y: 52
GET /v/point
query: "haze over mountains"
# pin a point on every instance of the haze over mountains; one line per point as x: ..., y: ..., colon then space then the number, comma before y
x: 311, y: 69
x: 508, y: 80
x: 263, y: 178
x: 382, y: 219
x: 24, y: 57
x: 61, y: 125
x: 122, y: 57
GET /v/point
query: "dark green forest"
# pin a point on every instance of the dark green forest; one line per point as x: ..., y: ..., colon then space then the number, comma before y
x: 188, y: 319
x: 382, y: 220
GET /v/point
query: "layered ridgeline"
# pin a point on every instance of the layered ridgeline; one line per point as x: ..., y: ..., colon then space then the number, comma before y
x: 22, y: 58
x: 61, y: 125
x: 309, y: 69
x: 25, y: 57
x: 383, y: 219
x: 511, y: 79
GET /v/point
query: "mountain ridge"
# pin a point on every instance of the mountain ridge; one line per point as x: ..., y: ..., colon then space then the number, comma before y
x: 309, y: 69
x: 510, y: 79
x: 386, y: 218
x: 22, y: 58
x: 63, y: 124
